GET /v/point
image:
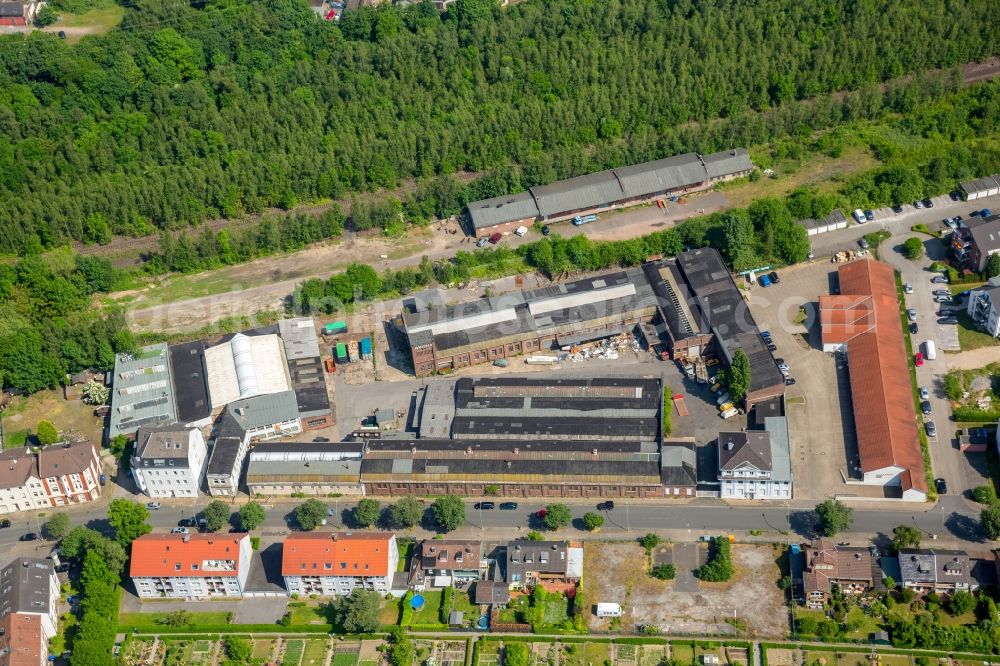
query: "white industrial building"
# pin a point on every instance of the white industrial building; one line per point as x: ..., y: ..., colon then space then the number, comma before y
x: 142, y: 393
x: 246, y: 366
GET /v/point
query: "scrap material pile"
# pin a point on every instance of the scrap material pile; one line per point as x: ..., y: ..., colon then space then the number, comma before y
x: 606, y: 349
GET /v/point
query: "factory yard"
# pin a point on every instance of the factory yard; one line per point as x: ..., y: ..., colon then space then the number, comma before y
x: 616, y: 573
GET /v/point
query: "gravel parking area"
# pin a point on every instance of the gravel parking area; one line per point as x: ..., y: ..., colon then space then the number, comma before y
x: 820, y: 419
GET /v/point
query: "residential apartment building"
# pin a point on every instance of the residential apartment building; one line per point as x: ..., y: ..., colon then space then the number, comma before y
x: 940, y: 571
x: 442, y: 562
x: 57, y: 475
x: 21, y: 488
x: 29, y: 587
x: 169, y: 461
x: 70, y: 473
x: 974, y: 241
x: 528, y: 562
x: 190, y: 566
x: 334, y: 563
x: 984, y: 307
x: 852, y: 569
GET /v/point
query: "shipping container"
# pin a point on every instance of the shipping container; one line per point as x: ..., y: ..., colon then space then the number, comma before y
x: 341, y: 351
x: 366, y: 348
x: 335, y: 328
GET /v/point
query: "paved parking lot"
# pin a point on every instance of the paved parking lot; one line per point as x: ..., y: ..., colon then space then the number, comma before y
x: 820, y: 418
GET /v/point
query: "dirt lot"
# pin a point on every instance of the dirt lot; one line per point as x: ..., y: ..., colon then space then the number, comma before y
x: 614, y: 572
x: 67, y: 415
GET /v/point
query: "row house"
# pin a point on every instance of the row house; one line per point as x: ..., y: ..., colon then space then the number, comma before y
x: 57, y: 475
x: 854, y: 570
x: 938, y: 571
x: 444, y: 562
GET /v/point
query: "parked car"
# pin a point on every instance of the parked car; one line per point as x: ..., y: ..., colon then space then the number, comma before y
x: 943, y: 299
x: 925, y: 407
x: 181, y: 530
x: 907, y: 288
x: 869, y: 215
x: 482, y: 242
x: 606, y: 505
x: 152, y: 506
x: 30, y: 536
x: 508, y: 506
x: 765, y: 334
x: 939, y: 279
x: 955, y: 195
x: 942, y: 486
x: 485, y: 506
x: 859, y: 216
x: 911, y: 314
x: 931, y: 429
x: 5, y: 522
x: 897, y: 209
x: 951, y: 222
x: 918, y: 204
x: 789, y: 381
x: 942, y: 292
x: 726, y: 407
x: 924, y: 393
x: 928, y: 203
x: 723, y: 399
x: 913, y: 327
x: 62, y: 568
x: 729, y: 413
x: 918, y: 359
x: 774, y: 277
x: 772, y: 348
x: 764, y: 281
x: 864, y: 244
x: 948, y: 321
x: 496, y: 238
x: 546, y: 231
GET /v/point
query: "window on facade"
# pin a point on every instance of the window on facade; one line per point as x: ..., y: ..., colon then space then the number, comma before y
x: 177, y: 567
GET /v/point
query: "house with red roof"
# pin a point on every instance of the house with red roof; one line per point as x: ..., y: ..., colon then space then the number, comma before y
x: 335, y: 563
x: 190, y: 566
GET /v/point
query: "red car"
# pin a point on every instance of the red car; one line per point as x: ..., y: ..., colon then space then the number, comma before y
x: 495, y: 238
x: 918, y: 359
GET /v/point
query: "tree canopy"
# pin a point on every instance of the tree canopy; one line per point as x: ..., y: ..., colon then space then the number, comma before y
x: 738, y: 376
x: 310, y: 514
x: 405, y: 513
x: 173, y: 119
x: 557, y: 516
x: 449, y: 512
x: 834, y: 516
x: 216, y: 515
x: 366, y: 513
x: 129, y: 520
x: 251, y: 516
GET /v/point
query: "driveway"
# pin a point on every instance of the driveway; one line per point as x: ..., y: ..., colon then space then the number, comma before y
x: 687, y: 557
x: 245, y: 611
x: 948, y: 462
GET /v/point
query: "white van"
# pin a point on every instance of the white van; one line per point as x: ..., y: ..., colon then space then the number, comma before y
x: 729, y: 413
x: 609, y: 610
x: 930, y: 352
x: 859, y: 216
x: 520, y: 231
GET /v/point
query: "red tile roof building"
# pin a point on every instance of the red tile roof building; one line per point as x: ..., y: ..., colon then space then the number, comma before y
x: 852, y: 569
x: 334, y: 563
x: 864, y: 321
x: 22, y: 642
x: 57, y: 475
x: 190, y: 566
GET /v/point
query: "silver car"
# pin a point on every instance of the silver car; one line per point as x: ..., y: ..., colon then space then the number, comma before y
x: 931, y: 429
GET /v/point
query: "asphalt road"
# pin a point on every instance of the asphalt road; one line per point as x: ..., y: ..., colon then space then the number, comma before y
x: 952, y: 519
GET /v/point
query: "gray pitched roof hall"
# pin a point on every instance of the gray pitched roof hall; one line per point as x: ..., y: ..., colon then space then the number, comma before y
x: 603, y: 188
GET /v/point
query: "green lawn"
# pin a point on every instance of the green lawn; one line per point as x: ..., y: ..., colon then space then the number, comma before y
x: 405, y: 549
x: 307, y: 612
x: 347, y: 659
x: 428, y: 613
x: 59, y: 642
x: 15, y: 439
x: 969, y: 337
x: 389, y: 612
x: 315, y: 654
x: 293, y: 652
x: 682, y: 653
x: 99, y: 20
x: 867, y: 624
x: 462, y: 602
x: 965, y: 618
x: 159, y: 619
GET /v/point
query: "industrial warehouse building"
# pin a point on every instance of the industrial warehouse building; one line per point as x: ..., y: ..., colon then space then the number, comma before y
x: 479, y: 332
x: 527, y: 437
x: 863, y: 321
x: 606, y: 190
x: 692, y: 299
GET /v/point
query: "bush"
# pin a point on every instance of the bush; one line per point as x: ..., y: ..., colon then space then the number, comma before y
x: 650, y: 541
x: 46, y: 433
x: 719, y: 567
x: 593, y: 521
x: 913, y: 248
x: 984, y: 494
x: 445, y: 608
x: 663, y: 572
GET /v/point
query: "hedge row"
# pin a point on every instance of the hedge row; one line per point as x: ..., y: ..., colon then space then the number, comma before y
x: 974, y: 414
x: 229, y: 629
x: 881, y: 649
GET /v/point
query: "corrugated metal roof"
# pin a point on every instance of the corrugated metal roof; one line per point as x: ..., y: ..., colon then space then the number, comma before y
x: 670, y: 173
x: 582, y: 298
x: 583, y: 192
x: 727, y: 162
x: 781, y: 454
x: 499, y: 210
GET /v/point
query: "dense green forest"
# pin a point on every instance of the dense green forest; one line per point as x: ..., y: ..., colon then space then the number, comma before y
x: 221, y: 108
x: 48, y: 324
